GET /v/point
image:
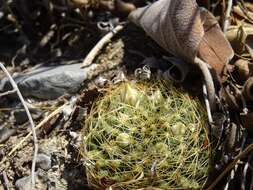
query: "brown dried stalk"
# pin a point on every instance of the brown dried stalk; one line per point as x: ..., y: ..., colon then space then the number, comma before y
x: 99, y: 46
x: 231, y: 165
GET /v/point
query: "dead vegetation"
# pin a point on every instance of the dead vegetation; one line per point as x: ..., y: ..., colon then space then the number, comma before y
x: 63, y: 55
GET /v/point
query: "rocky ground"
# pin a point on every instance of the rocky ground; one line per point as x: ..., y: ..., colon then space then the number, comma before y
x: 43, y: 45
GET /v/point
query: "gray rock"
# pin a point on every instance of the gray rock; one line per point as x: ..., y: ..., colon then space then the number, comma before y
x: 49, y: 82
x: 24, y: 183
x: 43, y: 161
x: 6, y: 133
x: 20, y: 116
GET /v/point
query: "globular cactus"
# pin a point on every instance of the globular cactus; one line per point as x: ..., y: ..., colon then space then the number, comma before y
x: 146, y: 135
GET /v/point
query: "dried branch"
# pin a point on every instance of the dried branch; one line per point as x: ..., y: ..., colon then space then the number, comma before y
x: 208, y: 109
x: 245, y: 171
x: 94, y: 52
x: 208, y: 81
x: 231, y: 165
x: 6, y: 181
x: 15, y: 87
x: 8, y: 92
x: 227, y: 15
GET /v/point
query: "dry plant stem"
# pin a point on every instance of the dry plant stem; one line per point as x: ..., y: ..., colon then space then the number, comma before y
x: 8, y: 92
x: 94, y: 52
x: 41, y: 124
x: 208, y: 81
x: 232, y: 173
x: 15, y: 87
x: 245, y: 10
x: 209, y: 113
x: 231, y: 165
x: 227, y: 15
x: 231, y: 177
x: 245, y: 171
x: 6, y: 181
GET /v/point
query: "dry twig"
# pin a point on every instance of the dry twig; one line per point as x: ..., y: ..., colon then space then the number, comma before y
x: 15, y: 87
x: 6, y: 181
x: 227, y: 15
x: 208, y: 110
x: 41, y: 124
x: 231, y: 165
x: 208, y: 81
x: 94, y: 52
x: 8, y: 92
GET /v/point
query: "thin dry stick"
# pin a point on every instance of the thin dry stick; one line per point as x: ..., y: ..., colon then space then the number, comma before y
x: 41, y: 124
x: 227, y: 15
x: 94, y: 52
x: 208, y: 110
x: 245, y: 171
x: 6, y: 181
x: 232, y: 173
x: 208, y: 81
x: 8, y: 92
x: 231, y: 165
x: 15, y: 87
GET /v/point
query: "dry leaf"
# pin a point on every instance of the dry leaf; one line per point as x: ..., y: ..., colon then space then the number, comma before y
x: 241, y: 38
x: 185, y: 30
x: 175, y: 25
x: 214, y: 48
x: 243, y: 70
x: 245, y: 14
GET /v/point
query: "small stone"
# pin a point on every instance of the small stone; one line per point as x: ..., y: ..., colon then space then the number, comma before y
x: 24, y: 183
x: 20, y: 116
x: 5, y: 134
x: 43, y: 161
x: 101, y: 81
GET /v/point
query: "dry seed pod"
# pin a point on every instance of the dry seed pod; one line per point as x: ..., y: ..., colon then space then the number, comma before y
x: 237, y: 36
x: 243, y: 68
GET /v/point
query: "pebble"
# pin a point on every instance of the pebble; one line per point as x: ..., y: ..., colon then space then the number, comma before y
x: 24, y: 183
x: 43, y: 161
x: 5, y: 134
